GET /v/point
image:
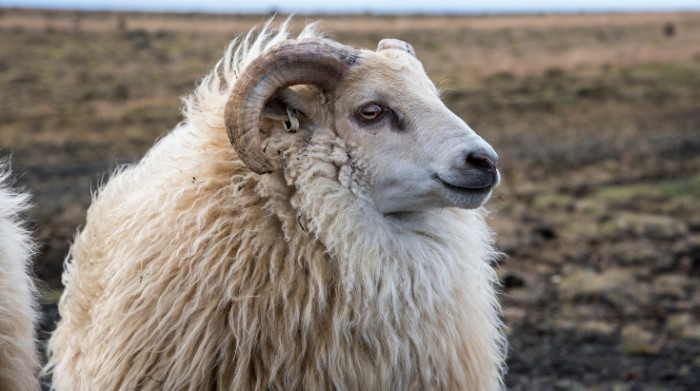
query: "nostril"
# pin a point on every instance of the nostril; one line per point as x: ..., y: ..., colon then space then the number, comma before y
x: 481, y: 160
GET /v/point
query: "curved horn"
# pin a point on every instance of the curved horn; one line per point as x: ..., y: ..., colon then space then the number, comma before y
x: 311, y: 61
x: 390, y: 43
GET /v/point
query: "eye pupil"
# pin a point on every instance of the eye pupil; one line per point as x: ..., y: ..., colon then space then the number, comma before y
x: 371, y: 112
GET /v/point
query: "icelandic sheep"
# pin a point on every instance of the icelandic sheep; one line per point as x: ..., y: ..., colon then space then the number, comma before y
x: 315, y: 222
x: 19, y: 360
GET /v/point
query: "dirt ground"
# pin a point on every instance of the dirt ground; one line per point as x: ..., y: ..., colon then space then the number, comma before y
x: 596, y: 119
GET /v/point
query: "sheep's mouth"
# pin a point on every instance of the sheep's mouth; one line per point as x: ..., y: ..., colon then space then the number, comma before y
x: 476, y: 188
x: 467, y: 196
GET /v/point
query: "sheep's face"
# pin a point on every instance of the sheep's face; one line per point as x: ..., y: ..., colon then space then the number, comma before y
x: 418, y: 153
x: 410, y: 151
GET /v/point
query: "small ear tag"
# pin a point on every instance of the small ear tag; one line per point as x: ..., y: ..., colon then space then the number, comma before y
x: 292, y: 123
x: 390, y: 43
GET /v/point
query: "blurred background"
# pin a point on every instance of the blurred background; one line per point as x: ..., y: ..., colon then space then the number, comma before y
x: 593, y: 107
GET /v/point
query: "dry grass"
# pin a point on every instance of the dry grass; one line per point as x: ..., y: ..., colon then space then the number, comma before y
x: 468, y: 46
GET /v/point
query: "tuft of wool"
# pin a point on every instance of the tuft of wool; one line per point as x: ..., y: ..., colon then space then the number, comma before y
x: 205, y: 107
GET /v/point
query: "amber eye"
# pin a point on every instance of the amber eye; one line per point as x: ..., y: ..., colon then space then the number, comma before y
x: 371, y: 112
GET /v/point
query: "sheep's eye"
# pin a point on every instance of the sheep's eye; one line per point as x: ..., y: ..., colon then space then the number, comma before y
x: 371, y: 112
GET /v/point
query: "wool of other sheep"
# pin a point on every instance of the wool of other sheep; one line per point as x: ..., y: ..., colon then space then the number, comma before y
x: 19, y: 360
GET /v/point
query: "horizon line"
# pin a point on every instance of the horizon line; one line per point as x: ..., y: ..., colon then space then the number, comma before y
x: 343, y: 11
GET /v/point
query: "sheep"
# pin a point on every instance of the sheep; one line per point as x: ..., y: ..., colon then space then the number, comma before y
x: 315, y: 222
x: 19, y: 360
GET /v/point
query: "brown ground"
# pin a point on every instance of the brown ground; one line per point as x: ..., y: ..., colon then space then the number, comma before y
x: 596, y: 119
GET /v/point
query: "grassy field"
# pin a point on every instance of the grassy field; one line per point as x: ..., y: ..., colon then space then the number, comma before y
x: 596, y: 119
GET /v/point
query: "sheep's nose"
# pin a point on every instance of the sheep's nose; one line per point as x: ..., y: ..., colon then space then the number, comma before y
x: 482, y: 160
x: 478, y: 168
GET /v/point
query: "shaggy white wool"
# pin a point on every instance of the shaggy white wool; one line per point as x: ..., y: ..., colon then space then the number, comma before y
x: 18, y: 356
x: 194, y: 273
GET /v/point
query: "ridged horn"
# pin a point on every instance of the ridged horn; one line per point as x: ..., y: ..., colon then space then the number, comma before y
x: 310, y: 61
x: 390, y: 43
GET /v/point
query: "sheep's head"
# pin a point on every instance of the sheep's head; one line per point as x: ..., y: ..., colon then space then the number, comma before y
x: 416, y: 153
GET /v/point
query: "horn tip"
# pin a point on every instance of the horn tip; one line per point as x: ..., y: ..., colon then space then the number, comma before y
x: 396, y: 44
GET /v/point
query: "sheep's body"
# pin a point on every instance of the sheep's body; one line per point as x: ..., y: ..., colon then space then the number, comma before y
x: 194, y: 273
x: 18, y: 356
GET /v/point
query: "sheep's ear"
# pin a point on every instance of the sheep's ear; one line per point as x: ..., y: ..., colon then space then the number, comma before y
x: 292, y: 108
x: 275, y: 109
x: 287, y: 120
